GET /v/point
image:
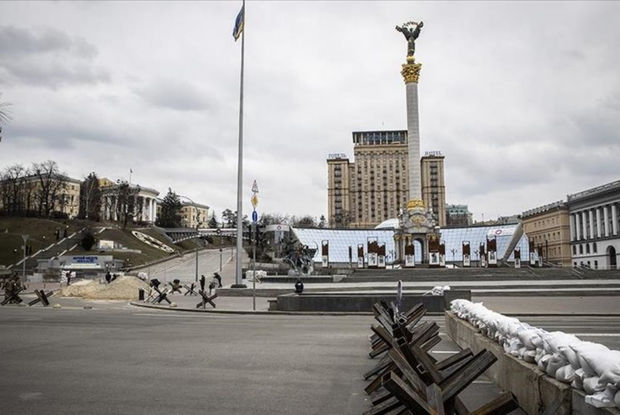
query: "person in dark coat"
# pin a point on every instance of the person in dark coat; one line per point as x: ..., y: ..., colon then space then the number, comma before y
x: 299, y: 286
x: 108, y: 277
x: 203, y: 281
x: 218, y: 278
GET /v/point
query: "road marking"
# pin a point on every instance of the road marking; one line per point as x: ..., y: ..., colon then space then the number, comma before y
x: 444, y: 351
x: 596, y: 334
x: 73, y: 247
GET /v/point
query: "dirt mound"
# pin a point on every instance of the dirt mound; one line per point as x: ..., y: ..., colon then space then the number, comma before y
x: 122, y: 288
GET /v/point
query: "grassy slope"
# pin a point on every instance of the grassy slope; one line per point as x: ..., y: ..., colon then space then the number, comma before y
x: 126, y: 239
x: 41, y: 231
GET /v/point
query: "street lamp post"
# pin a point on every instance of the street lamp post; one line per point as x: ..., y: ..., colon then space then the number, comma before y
x: 25, y: 238
x: 219, y: 232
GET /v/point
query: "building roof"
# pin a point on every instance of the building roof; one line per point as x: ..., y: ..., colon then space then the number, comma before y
x: 197, y: 205
x: 594, y: 192
x: 544, y: 209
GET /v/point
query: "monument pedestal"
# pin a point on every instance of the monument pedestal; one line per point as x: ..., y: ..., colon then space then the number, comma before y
x: 416, y: 224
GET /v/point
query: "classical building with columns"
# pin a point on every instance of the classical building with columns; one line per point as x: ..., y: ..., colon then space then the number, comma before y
x: 141, y: 202
x: 547, y: 230
x: 595, y: 226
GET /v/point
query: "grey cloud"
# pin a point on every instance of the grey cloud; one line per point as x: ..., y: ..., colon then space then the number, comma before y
x: 48, y: 58
x: 53, y: 74
x: 16, y: 41
x: 174, y: 94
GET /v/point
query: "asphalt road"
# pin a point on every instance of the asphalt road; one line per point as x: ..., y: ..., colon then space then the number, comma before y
x: 119, y: 360
x: 115, y: 358
x: 184, y: 268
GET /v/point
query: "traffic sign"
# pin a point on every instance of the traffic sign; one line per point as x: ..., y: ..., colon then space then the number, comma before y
x: 254, y: 216
x: 255, y: 187
x: 254, y: 200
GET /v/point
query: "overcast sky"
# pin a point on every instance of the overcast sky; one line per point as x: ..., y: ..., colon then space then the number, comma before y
x: 522, y: 98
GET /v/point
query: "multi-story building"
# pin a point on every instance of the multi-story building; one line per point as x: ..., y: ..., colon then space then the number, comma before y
x: 338, y: 188
x: 548, y: 231
x: 121, y: 200
x: 595, y: 226
x: 434, y: 185
x: 194, y: 215
x: 458, y: 216
x: 41, y: 195
x: 372, y: 188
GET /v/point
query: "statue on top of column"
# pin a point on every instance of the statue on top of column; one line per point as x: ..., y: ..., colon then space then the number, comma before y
x: 411, y: 31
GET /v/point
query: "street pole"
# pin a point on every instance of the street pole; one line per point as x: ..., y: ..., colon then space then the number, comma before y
x: 238, y: 270
x: 197, y: 250
x: 25, y: 238
x: 254, y: 271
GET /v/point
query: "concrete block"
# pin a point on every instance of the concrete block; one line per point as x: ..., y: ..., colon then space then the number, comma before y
x: 533, y: 389
x: 580, y: 407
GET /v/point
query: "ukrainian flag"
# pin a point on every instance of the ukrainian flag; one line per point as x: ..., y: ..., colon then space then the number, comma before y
x: 238, y: 24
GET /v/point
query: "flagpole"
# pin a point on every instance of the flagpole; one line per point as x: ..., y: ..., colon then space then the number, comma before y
x: 238, y: 270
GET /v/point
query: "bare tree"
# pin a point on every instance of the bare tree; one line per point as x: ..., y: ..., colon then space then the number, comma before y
x: 123, y: 202
x: 49, y: 192
x: 13, y: 190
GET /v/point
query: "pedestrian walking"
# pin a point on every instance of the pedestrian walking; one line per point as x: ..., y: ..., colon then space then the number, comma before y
x: 203, y: 280
x: 218, y: 278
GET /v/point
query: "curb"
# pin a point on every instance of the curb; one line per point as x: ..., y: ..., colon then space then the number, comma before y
x: 258, y: 312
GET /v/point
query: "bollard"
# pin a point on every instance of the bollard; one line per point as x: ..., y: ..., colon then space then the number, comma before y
x: 140, y: 294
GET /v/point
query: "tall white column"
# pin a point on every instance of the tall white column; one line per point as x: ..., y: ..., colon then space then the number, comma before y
x: 413, y: 138
x: 583, y: 223
x: 598, y: 222
x: 571, y: 225
x: 577, y: 226
x: 115, y: 207
x: 143, y: 210
x: 591, y: 218
x: 605, y: 221
x: 614, y: 219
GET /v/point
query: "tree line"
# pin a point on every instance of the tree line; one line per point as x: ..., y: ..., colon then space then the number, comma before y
x: 41, y: 190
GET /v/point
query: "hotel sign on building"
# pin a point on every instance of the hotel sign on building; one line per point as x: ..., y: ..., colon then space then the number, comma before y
x: 370, y: 189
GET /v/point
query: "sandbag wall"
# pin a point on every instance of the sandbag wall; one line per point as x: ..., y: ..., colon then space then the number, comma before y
x: 587, y: 366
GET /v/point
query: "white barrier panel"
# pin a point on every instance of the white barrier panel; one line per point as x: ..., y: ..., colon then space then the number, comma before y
x: 372, y: 259
x: 466, y: 261
x: 381, y: 261
x: 410, y: 261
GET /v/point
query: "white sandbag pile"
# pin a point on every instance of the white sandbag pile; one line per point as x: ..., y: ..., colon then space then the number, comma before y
x: 591, y: 367
x: 438, y: 290
x: 260, y: 274
x: 122, y: 288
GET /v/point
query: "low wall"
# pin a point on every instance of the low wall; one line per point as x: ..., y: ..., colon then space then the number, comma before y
x: 534, y: 390
x: 363, y: 302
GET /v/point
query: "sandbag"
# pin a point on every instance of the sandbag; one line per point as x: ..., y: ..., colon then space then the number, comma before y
x: 590, y: 385
x: 529, y: 356
x: 592, y: 357
x: 603, y: 399
x: 565, y: 374
x: 612, y: 372
x: 529, y: 338
x: 617, y: 399
x: 578, y: 379
x: 556, y: 362
x: 544, y: 361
